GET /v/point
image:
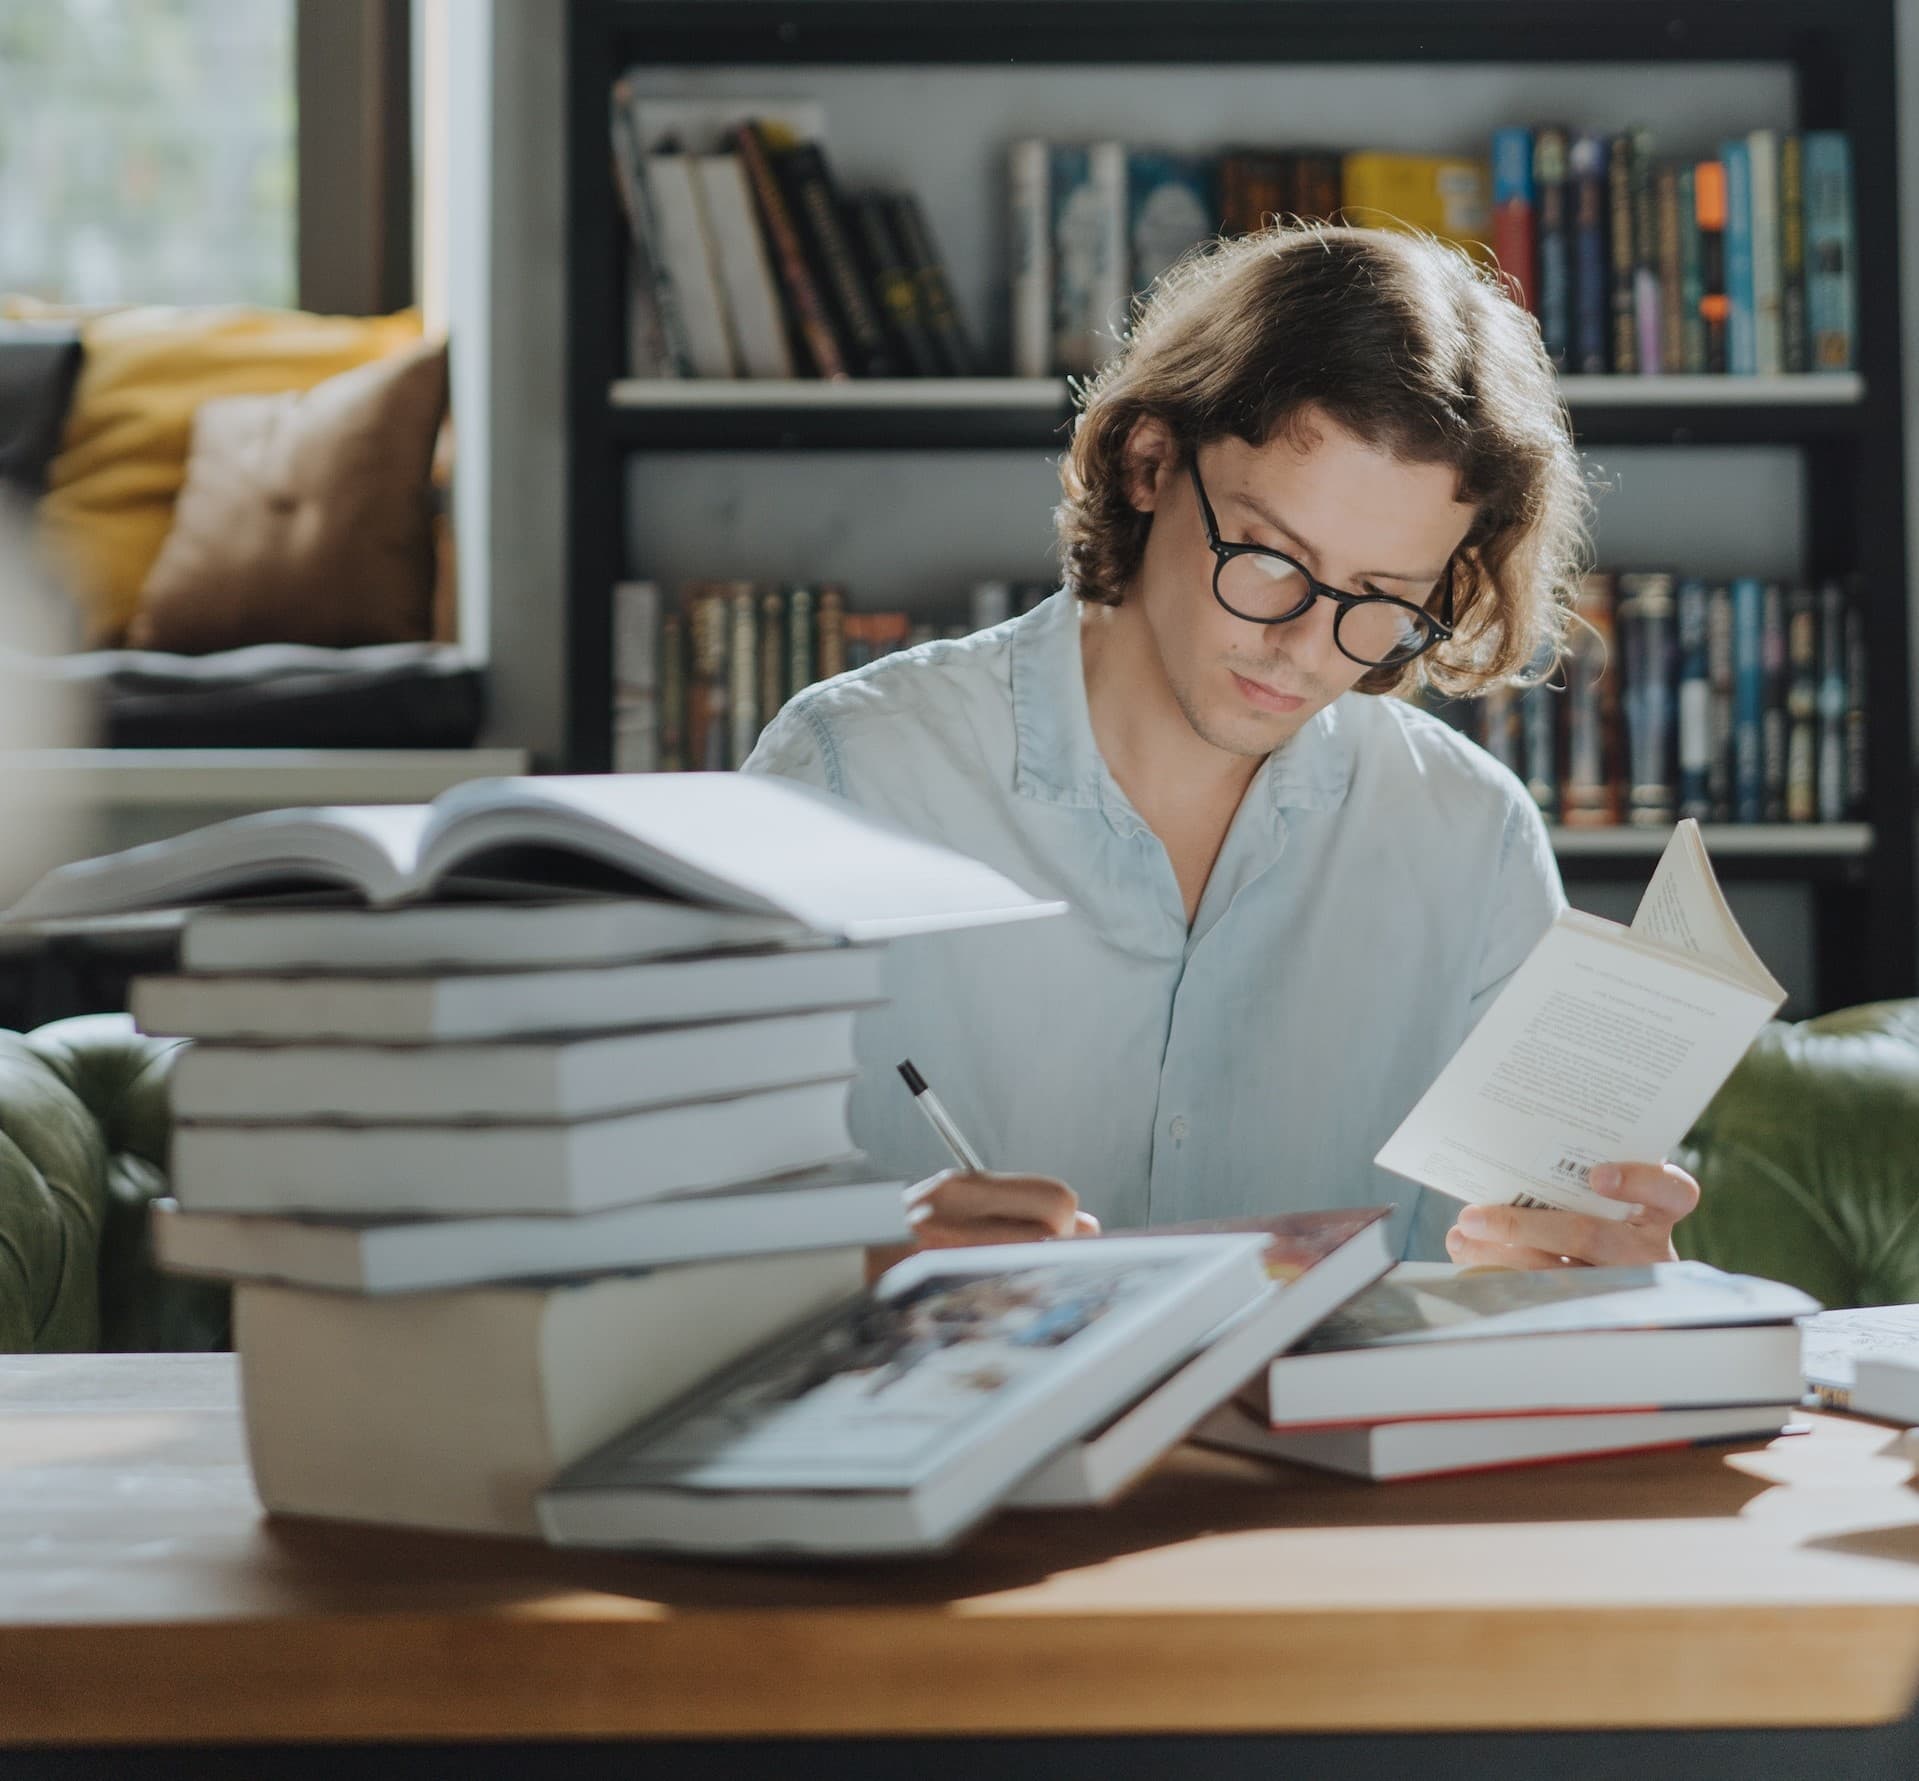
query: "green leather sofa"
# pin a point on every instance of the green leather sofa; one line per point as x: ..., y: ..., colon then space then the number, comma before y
x: 1808, y: 1161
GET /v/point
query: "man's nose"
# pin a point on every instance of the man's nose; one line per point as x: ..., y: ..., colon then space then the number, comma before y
x: 1308, y: 639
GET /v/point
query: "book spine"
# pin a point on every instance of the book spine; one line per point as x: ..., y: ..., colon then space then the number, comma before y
x: 1112, y: 276
x: 656, y: 337
x: 931, y: 286
x: 1619, y: 215
x: 1539, y: 748
x: 1719, y: 666
x: 1554, y: 245
x: 1589, y: 791
x: 672, y: 693
x: 1742, y: 348
x: 1802, y: 705
x: 1692, y: 288
x: 1076, y: 232
x: 1694, y: 700
x: 1029, y: 167
x: 799, y: 638
x: 636, y: 676
x: 1590, y: 311
x: 1792, y: 255
x: 1672, y: 287
x: 830, y: 631
x: 990, y: 603
x: 1498, y: 727
x: 809, y: 183
x: 813, y: 322
x: 1647, y: 308
x: 742, y: 671
x: 770, y: 653
x: 749, y: 289
x: 1715, y: 307
x: 686, y: 243
x: 1170, y: 210
x: 1515, y: 243
x: 1856, y: 784
x: 1832, y: 803
x: 707, y: 629
x: 1316, y: 194
x: 1748, y: 700
x: 1831, y: 298
x: 1646, y: 629
x: 1762, y: 163
x: 1773, y: 734
x: 870, y: 223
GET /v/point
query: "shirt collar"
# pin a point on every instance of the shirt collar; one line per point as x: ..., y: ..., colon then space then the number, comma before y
x: 1058, y: 761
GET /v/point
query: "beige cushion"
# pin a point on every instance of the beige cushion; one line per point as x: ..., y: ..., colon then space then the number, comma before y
x: 305, y: 516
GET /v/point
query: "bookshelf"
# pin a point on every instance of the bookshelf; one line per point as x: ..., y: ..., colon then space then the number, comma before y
x: 1048, y: 68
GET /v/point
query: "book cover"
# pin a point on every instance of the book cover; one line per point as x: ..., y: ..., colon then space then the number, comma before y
x: 1171, y: 207
x: 1646, y: 623
x: 813, y: 197
x: 931, y: 286
x: 1030, y: 237
x: 1445, y: 195
x: 1715, y: 305
x: 1773, y: 721
x: 1831, y: 295
x: 1589, y: 791
x: 1792, y: 255
x: 758, y: 144
x: 1553, y: 246
x: 1742, y: 340
x: 1802, y: 705
x: 1622, y: 244
x: 1515, y: 243
x: 1592, y: 353
x: 1762, y: 163
x: 1692, y: 603
x: 1748, y: 700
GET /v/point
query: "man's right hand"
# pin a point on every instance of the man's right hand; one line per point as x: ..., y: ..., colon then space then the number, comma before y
x: 957, y: 1209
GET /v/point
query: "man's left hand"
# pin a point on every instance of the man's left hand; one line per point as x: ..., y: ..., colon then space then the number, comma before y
x: 1535, y: 1237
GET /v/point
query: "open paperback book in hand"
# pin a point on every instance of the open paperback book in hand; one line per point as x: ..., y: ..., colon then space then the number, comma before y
x: 746, y: 842
x: 1604, y: 1047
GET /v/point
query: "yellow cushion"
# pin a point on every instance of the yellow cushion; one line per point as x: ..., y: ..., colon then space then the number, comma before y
x: 111, y: 489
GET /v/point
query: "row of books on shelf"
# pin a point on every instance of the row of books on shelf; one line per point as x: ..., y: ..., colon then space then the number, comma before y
x: 697, y: 678
x: 747, y: 258
x: 1729, y: 701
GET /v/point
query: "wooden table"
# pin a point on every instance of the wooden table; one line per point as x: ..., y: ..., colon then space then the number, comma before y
x: 145, y: 1601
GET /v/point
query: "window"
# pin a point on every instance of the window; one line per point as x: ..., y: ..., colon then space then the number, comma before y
x: 148, y: 150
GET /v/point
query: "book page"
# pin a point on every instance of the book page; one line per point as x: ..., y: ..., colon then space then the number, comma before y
x: 1601, y: 1049
x: 1684, y: 908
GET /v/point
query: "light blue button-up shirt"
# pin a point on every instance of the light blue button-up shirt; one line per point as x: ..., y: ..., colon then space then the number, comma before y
x: 1380, y: 881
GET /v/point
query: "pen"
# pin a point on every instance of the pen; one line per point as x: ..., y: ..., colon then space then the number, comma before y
x: 939, y: 1119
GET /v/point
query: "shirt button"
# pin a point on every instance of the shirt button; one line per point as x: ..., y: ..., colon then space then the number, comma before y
x: 1178, y: 1127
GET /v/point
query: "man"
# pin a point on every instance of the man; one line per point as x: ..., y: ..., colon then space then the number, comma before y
x: 1326, y: 462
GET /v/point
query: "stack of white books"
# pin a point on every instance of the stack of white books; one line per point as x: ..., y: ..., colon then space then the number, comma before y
x: 1445, y: 1369
x: 525, y: 1120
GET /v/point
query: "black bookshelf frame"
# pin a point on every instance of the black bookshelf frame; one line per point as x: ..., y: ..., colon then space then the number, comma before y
x: 1841, y: 54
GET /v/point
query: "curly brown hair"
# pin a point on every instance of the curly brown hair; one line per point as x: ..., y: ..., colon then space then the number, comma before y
x: 1407, y: 344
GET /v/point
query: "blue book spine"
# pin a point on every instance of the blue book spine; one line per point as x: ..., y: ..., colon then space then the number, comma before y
x: 1554, y: 245
x: 1592, y: 293
x: 1831, y: 292
x: 1170, y: 210
x: 1742, y: 337
x: 1695, y: 701
x: 1077, y: 256
x: 1748, y: 700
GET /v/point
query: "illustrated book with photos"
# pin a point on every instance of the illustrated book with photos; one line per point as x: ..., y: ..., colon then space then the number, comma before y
x: 748, y: 842
x: 1604, y: 1047
x: 897, y: 1420
x: 1435, y: 1340
x: 1315, y: 1261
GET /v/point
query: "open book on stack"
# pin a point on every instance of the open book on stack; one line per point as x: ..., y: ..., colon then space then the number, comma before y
x: 515, y: 1114
x: 1443, y: 1369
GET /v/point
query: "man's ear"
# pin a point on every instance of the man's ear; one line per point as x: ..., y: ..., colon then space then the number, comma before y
x: 1149, y: 461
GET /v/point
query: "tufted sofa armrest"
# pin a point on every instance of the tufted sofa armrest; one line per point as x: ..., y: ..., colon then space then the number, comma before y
x: 83, y: 1140
x: 1808, y: 1159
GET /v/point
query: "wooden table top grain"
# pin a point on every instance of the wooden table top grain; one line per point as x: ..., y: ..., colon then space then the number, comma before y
x: 145, y: 1598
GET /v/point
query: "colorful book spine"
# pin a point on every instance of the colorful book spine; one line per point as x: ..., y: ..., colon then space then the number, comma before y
x: 672, y: 753
x: 1589, y: 790
x: 1692, y: 602
x: 1762, y: 165
x: 1619, y: 221
x: 1748, y: 700
x: 1832, y: 297
x: 1692, y: 287
x: 936, y: 304
x: 1792, y: 254
x: 1672, y: 341
x: 1719, y: 667
x: 814, y: 199
x: 1030, y: 219
x: 800, y: 672
x: 1316, y: 186
x: 742, y: 670
x: 1645, y: 621
x: 1773, y: 731
x: 829, y: 631
x: 1539, y: 745
x: 1832, y: 802
x: 1715, y: 306
x: 708, y: 737
x: 1590, y: 300
x: 894, y: 290
x: 1554, y: 245
x: 1515, y: 242
x: 1742, y: 341
x: 1648, y: 304
x: 1802, y: 705
x: 757, y: 145
x: 770, y: 653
